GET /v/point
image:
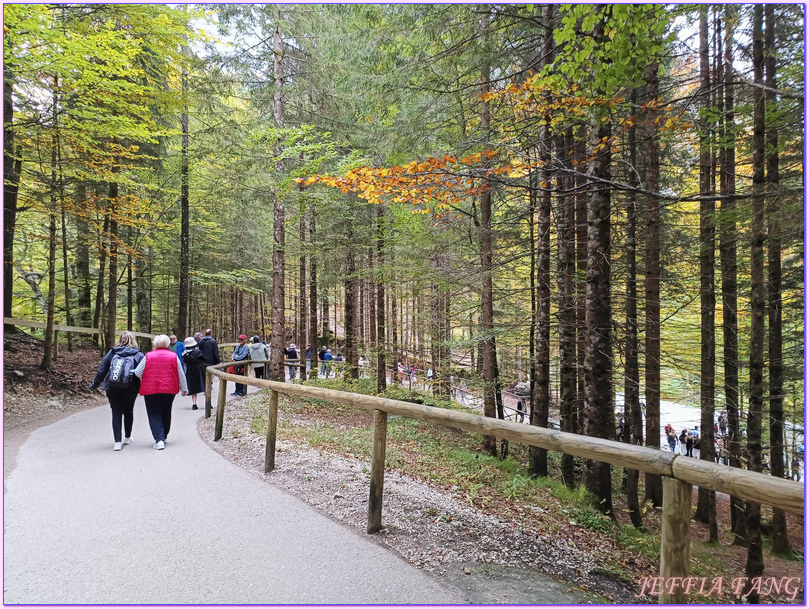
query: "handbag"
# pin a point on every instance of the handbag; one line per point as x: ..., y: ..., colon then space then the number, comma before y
x: 231, y: 369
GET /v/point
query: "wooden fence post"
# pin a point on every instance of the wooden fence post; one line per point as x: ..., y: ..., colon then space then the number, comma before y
x: 272, y: 426
x: 220, y: 409
x: 675, y: 542
x: 208, y: 393
x: 377, y: 471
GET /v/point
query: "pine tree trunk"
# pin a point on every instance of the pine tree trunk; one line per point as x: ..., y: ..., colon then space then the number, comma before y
x: 351, y: 358
x: 185, y: 229
x: 381, y: 374
x: 84, y: 297
x: 302, y: 332
x: 598, y: 392
x: 654, y: 483
x: 102, y: 264
x: 278, y: 252
x: 780, y: 540
x: 541, y: 399
x: 112, y: 298
x: 755, y: 558
x: 633, y: 418
x: 567, y: 310
x: 312, y: 291
x: 727, y: 249
x: 12, y: 166
x: 486, y: 253
x: 706, y: 503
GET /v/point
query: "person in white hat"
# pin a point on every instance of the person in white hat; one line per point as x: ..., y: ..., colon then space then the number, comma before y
x: 291, y: 353
x: 194, y: 361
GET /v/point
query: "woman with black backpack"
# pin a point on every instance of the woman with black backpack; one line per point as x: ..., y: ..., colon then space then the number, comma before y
x: 116, y: 376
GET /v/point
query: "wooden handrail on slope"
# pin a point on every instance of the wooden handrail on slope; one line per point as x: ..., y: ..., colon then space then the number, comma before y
x: 679, y: 472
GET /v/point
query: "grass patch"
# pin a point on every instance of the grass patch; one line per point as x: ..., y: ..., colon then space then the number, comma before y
x: 640, y: 542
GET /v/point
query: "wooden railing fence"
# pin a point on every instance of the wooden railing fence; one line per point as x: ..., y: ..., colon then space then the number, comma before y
x: 679, y: 472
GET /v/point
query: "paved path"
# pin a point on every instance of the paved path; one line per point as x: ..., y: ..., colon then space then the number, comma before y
x: 84, y: 524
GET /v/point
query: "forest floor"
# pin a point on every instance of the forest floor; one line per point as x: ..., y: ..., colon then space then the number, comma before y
x: 500, y: 548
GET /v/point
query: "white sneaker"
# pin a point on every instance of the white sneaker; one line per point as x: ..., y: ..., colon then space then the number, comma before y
x: 159, y: 445
x: 116, y: 446
x: 128, y: 440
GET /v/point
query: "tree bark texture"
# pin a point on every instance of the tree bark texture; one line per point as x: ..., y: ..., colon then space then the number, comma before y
x: 780, y: 540
x: 755, y: 557
x: 654, y: 484
x: 706, y: 503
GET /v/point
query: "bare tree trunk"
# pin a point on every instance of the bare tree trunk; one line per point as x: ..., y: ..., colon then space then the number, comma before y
x: 12, y: 166
x: 185, y: 227
x: 541, y: 400
x: 381, y: 375
x: 567, y: 311
x: 706, y: 503
x: 486, y: 253
x: 727, y: 249
x: 755, y: 558
x: 654, y: 483
x: 278, y: 253
x: 598, y: 391
x: 303, y: 334
x: 102, y: 263
x: 780, y: 540
x: 112, y: 298
x: 351, y: 358
x: 312, y: 290
x: 84, y: 295
x: 47, y: 355
x: 633, y: 418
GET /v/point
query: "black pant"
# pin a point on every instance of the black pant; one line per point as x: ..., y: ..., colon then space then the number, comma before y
x: 158, y: 407
x: 122, y: 404
x: 259, y: 370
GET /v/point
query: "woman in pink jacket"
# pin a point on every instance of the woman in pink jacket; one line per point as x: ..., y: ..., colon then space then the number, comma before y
x: 162, y: 378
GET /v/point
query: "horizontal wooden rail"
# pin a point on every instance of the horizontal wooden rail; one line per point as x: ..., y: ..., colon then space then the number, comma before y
x: 778, y: 492
x: 679, y: 472
x: 41, y: 324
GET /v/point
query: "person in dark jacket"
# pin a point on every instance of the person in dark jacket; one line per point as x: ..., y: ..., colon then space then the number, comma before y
x: 162, y: 378
x: 321, y: 355
x: 209, y: 348
x: 194, y: 362
x: 122, y: 399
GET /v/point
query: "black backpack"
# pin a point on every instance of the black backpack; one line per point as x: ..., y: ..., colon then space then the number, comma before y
x: 122, y: 368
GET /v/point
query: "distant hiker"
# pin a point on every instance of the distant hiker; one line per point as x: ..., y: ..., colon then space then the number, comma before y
x: 722, y: 425
x: 321, y: 355
x: 258, y: 353
x: 291, y: 353
x: 430, y: 374
x: 162, y: 377
x: 520, y: 411
x: 308, y: 359
x: 327, y: 357
x: 194, y: 362
x: 689, y: 445
x: 400, y: 368
x: 240, y: 353
x: 116, y: 376
x: 672, y: 437
x: 361, y: 366
x: 683, y: 437
x: 209, y: 348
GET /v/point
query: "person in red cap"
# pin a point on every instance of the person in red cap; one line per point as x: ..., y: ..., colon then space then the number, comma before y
x: 242, y: 352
